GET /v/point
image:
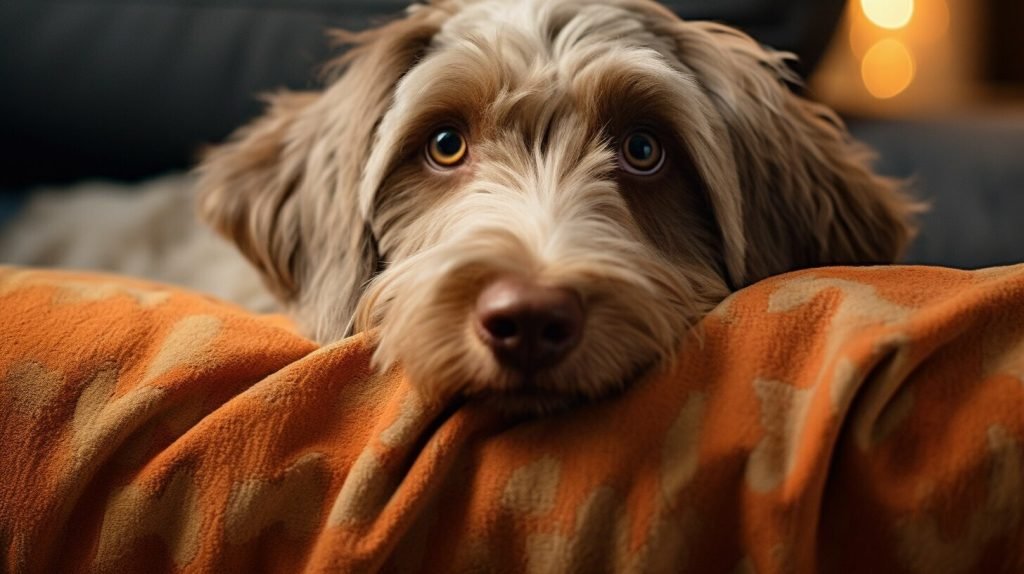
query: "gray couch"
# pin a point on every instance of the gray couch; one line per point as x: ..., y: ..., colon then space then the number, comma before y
x: 971, y: 172
x: 127, y: 89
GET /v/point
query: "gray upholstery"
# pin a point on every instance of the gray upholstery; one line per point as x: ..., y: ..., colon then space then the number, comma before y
x: 971, y: 172
x: 128, y: 88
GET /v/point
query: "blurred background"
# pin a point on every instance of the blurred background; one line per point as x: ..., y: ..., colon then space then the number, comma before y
x: 937, y: 87
x: 126, y: 90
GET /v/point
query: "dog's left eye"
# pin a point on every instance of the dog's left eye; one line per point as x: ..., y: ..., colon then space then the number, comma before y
x: 447, y: 148
x: 641, y: 154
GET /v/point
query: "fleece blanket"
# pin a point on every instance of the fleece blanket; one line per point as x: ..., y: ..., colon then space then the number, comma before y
x: 832, y: 420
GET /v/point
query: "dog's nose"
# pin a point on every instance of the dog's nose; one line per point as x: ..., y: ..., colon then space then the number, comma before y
x: 527, y: 326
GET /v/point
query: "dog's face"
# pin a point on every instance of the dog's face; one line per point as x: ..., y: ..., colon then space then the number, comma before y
x: 536, y: 200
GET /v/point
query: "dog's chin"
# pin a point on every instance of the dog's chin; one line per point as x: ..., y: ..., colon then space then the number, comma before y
x: 536, y: 395
x: 531, y: 403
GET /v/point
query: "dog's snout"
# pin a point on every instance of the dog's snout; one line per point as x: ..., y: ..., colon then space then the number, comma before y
x: 528, y: 326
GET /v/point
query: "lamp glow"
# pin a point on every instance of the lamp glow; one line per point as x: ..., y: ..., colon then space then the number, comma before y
x: 887, y: 69
x: 889, y: 14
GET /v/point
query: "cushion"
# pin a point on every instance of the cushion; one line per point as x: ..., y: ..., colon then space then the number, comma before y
x: 832, y: 420
x: 970, y: 174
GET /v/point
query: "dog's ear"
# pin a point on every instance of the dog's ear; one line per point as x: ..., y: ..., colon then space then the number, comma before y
x: 247, y: 189
x: 284, y: 188
x: 806, y: 193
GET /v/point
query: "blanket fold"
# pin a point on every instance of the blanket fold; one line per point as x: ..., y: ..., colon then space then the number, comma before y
x: 830, y: 420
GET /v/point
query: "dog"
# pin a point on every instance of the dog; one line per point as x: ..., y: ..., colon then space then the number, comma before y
x: 535, y: 201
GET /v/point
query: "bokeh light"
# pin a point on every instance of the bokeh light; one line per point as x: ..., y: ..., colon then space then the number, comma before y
x: 863, y: 35
x: 887, y: 69
x: 890, y: 14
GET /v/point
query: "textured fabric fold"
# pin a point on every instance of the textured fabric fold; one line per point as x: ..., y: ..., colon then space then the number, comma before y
x: 830, y: 420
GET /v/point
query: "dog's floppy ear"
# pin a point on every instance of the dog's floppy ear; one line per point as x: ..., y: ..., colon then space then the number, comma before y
x: 247, y: 189
x: 284, y: 188
x: 806, y: 193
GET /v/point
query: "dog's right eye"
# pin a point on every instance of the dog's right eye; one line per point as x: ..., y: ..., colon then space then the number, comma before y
x: 447, y: 148
x: 641, y: 154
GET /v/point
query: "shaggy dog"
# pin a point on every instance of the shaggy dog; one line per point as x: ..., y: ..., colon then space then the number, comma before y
x: 536, y: 200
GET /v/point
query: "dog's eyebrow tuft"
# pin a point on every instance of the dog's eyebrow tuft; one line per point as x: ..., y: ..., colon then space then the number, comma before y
x: 610, y: 92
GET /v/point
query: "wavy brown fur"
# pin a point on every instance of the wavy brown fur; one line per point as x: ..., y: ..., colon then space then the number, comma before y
x: 329, y: 188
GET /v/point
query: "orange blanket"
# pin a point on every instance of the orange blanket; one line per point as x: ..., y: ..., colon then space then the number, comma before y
x: 835, y: 420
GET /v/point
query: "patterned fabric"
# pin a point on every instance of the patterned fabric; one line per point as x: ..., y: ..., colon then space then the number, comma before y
x: 833, y: 420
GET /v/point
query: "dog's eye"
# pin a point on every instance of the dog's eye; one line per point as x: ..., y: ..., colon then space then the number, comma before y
x: 641, y: 154
x: 447, y: 148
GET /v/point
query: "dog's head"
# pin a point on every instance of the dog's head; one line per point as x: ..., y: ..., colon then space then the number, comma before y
x: 537, y: 199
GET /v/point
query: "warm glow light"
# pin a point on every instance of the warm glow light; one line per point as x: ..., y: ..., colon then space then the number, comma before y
x: 891, y: 14
x: 931, y: 21
x: 887, y: 69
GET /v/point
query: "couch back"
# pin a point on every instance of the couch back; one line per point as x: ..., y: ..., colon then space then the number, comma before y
x: 129, y: 89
